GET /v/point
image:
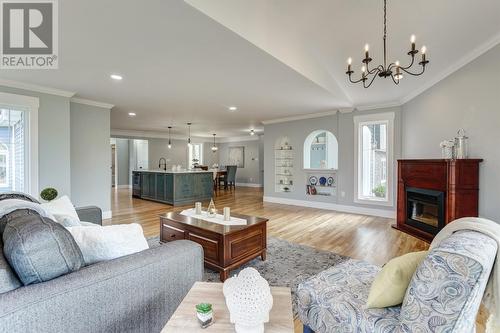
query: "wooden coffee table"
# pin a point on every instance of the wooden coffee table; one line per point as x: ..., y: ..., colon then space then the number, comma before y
x: 184, y: 318
x: 225, y: 247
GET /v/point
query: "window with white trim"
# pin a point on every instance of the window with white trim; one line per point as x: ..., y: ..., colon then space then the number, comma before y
x: 12, y: 149
x: 374, y: 136
x: 195, y: 154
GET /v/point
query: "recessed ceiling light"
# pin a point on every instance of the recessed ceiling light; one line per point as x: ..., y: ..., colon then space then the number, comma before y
x: 132, y: 114
x: 233, y: 108
x: 116, y: 77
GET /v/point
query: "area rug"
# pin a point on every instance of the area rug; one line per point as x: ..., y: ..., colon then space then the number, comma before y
x: 287, y: 264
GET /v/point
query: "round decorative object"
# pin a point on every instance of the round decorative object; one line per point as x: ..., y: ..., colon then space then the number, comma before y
x: 313, y: 180
x: 322, y: 181
x: 48, y: 194
x: 249, y: 300
x: 330, y: 181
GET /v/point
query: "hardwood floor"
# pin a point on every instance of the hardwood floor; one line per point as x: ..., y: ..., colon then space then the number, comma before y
x: 357, y: 236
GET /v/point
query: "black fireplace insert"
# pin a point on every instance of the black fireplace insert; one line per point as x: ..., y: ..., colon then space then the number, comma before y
x: 425, y: 209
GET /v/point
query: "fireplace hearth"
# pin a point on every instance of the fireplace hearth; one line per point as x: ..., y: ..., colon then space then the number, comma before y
x: 433, y: 193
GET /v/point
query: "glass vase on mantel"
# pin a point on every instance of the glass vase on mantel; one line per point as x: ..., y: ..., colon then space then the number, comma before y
x: 211, y: 210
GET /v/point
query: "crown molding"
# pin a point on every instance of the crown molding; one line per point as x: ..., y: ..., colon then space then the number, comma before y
x: 368, y: 107
x: 91, y: 103
x: 300, y: 117
x: 346, y: 110
x: 155, y: 135
x: 466, y: 59
x: 238, y: 139
x: 36, y: 88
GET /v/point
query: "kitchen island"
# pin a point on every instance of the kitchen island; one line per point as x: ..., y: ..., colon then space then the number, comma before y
x: 172, y: 187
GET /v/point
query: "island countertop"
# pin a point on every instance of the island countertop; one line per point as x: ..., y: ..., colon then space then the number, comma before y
x: 170, y: 171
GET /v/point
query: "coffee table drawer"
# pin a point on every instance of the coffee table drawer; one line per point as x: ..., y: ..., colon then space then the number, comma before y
x: 210, y: 246
x: 169, y: 233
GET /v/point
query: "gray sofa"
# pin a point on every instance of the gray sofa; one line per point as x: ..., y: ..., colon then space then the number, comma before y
x: 135, y: 293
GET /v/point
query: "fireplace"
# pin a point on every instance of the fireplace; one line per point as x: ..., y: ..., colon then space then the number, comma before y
x: 425, y: 209
x: 433, y: 193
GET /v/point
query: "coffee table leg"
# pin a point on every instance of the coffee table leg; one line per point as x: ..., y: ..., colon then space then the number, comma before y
x: 224, y: 275
x: 263, y: 255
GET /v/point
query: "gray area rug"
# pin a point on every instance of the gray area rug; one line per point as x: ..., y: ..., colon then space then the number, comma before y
x: 287, y: 264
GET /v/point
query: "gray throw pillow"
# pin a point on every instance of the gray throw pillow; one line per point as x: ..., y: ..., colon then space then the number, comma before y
x: 39, y: 249
x: 8, y: 279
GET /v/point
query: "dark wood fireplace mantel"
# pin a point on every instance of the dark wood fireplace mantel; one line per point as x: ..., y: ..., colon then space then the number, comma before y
x: 457, y: 180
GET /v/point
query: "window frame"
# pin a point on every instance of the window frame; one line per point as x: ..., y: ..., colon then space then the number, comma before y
x: 189, y: 159
x: 5, y: 152
x: 30, y: 105
x: 359, y: 122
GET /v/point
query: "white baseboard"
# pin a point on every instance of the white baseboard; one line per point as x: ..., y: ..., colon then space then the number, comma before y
x: 248, y: 184
x: 107, y: 215
x: 123, y: 186
x: 332, y: 206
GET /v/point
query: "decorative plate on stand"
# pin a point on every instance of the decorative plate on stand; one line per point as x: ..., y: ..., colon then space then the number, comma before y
x: 322, y: 181
x: 330, y: 181
x: 313, y: 180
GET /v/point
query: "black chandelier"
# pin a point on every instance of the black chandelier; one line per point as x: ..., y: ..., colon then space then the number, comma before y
x: 394, y: 70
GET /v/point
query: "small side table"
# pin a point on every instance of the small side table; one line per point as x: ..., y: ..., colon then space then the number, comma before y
x: 184, y: 318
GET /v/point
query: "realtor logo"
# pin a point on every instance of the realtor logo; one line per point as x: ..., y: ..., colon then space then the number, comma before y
x: 29, y: 34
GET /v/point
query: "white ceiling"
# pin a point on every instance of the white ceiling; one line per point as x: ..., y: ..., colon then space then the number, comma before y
x: 271, y: 58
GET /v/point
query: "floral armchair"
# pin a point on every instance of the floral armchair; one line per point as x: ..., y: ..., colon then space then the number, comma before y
x: 444, y: 294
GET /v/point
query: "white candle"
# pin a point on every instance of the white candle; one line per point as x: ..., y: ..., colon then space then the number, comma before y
x: 227, y: 214
x: 197, y: 207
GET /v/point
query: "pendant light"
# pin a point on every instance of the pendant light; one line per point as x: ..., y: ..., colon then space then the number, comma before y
x: 169, y: 139
x: 189, y: 134
x: 214, y: 147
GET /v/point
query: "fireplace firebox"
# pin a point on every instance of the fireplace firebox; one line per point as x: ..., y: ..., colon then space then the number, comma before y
x: 425, y: 209
x: 433, y: 193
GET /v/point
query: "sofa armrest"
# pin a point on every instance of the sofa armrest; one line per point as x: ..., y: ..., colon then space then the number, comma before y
x: 92, y: 214
x: 135, y: 293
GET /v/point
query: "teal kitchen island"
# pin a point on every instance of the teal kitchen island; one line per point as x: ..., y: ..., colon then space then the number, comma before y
x: 172, y: 187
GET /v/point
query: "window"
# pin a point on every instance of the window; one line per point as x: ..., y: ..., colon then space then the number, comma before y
x: 321, y: 150
x: 19, y: 143
x: 195, y: 154
x: 374, y: 158
x: 12, y: 149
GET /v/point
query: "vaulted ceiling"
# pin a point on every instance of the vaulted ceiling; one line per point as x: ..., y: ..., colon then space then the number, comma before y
x: 190, y: 60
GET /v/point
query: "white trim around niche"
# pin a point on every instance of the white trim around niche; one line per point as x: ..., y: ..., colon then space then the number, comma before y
x: 331, y: 206
x: 375, y: 117
x: 31, y: 104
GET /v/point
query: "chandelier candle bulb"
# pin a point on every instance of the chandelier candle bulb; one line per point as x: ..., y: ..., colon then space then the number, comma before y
x: 367, y: 48
x: 424, y: 50
x: 412, y: 39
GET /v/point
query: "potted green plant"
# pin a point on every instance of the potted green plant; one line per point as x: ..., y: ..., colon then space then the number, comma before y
x: 48, y: 194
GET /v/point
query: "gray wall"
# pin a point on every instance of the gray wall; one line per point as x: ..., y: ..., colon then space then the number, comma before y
x: 252, y: 172
x: 90, y: 156
x: 122, y: 161
x: 178, y: 153
x: 469, y: 99
x: 342, y: 126
x: 53, y: 140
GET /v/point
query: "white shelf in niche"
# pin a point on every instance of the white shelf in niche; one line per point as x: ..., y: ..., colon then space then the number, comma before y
x: 318, y: 189
x: 284, y: 156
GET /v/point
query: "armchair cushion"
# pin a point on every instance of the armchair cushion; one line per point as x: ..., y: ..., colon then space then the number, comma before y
x: 446, y: 290
x: 334, y: 301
